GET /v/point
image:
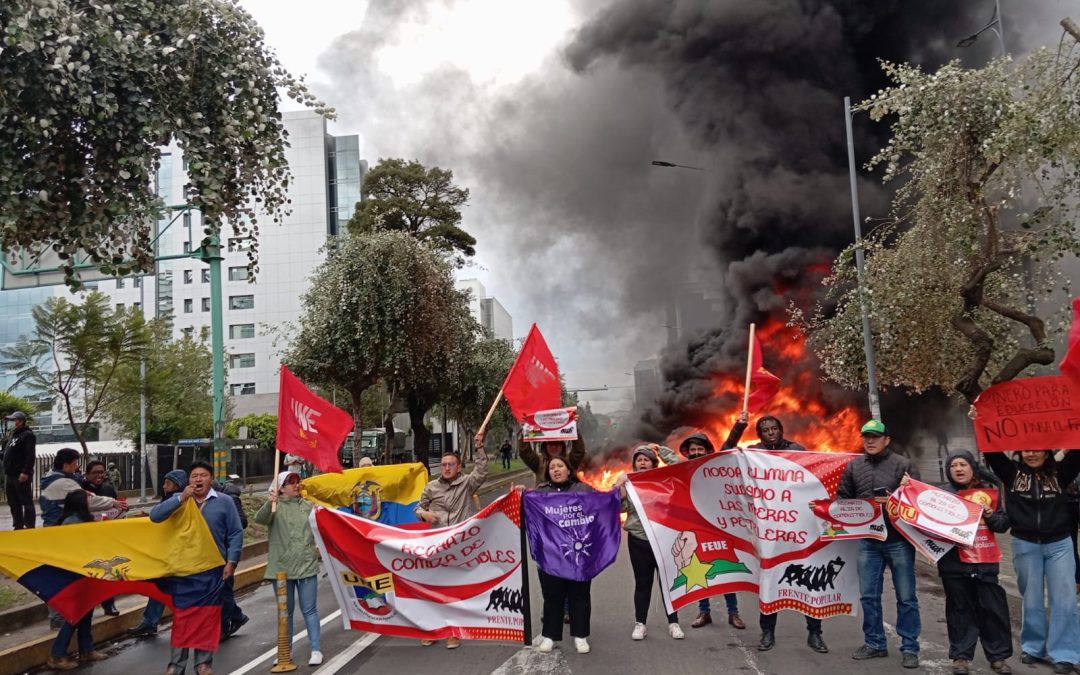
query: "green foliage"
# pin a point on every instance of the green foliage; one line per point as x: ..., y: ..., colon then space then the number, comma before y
x: 473, y: 387
x: 10, y: 403
x: 406, y: 196
x: 261, y: 428
x: 989, y: 161
x: 93, y: 88
x: 179, y: 403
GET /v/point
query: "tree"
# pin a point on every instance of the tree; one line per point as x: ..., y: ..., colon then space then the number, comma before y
x: 75, y: 353
x: 92, y: 89
x: 990, y: 163
x: 179, y: 403
x: 262, y: 428
x: 471, y: 389
x: 10, y: 403
x: 406, y: 196
x: 378, y: 309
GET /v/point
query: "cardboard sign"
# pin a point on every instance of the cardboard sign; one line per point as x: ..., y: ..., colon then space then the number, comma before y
x: 559, y: 424
x: 850, y: 519
x: 936, y: 512
x: 985, y: 549
x: 930, y: 547
x: 1034, y: 413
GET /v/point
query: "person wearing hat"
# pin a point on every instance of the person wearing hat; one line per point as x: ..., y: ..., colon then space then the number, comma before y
x: 642, y: 559
x: 875, y: 475
x: 19, y: 457
x: 1036, y: 502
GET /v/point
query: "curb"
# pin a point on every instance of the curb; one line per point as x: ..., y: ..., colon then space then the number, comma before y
x: 35, y: 653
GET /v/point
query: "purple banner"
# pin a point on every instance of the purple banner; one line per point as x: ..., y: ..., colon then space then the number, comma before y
x: 573, y: 535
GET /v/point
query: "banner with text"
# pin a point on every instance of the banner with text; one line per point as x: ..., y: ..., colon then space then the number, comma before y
x: 573, y: 535
x: 1033, y: 413
x: 936, y: 512
x: 985, y: 549
x: 461, y: 581
x: 740, y: 520
x: 559, y: 424
x: 849, y: 519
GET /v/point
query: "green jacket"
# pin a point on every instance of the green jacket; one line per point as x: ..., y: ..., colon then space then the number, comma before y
x: 292, y: 545
x: 633, y: 525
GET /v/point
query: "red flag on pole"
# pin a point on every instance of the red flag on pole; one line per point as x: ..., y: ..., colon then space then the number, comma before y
x: 310, y: 426
x: 533, y: 381
x: 1070, y: 365
x: 763, y: 384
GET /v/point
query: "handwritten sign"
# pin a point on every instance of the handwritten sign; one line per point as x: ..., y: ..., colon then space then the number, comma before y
x: 1035, y: 413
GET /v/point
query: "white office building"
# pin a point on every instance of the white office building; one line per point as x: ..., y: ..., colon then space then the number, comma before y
x: 487, y: 310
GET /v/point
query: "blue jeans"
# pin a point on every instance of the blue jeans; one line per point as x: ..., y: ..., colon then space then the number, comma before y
x: 899, y: 556
x: 307, y: 589
x: 1050, y: 569
x: 152, y: 614
x: 83, y: 630
x: 730, y: 599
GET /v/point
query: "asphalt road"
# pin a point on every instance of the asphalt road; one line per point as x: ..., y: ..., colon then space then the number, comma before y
x: 714, y: 649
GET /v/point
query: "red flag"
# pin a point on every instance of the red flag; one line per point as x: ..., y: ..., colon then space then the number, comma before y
x: 1070, y: 365
x: 533, y: 381
x: 763, y: 384
x: 310, y: 426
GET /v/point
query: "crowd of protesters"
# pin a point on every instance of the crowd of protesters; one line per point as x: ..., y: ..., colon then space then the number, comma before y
x: 1033, y: 504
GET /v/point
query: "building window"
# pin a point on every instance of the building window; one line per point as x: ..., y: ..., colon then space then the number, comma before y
x: 242, y: 361
x: 206, y: 304
x: 189, y: 305
x: 206, y: 276
x: 188, y: 276
x: 137, y: 281
x: 119, y: 283
x: 119, y: 306
x: 241, y: 331
x: 238, y: 273
x: 188, y: 331
x: 241, y: 302
x: 242, y: 388
x: 187, y: 247
x: 237, y: 244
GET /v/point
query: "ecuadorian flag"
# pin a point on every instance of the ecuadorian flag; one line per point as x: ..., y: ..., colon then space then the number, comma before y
x: 386, y: 494
x: 74, y: 568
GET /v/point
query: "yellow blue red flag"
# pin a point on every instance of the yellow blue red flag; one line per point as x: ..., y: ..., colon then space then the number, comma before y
x: 386, y: 494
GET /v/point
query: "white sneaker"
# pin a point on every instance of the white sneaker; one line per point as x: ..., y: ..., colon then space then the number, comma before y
x: 316, y: 658
x: 639, y: 632
x: 546, y: 645
x: 582, y: 645
x: 675, y: 631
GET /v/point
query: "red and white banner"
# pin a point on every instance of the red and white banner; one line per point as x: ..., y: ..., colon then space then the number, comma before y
x: 936, y: 512
x: 461, y: 581
x: 929, y: 546
x: 559, y: 424
x: 985, y: 549
x: 850, y: 519
x: 309, y: 425
x: 1033, y: 413
x: 740, y: 520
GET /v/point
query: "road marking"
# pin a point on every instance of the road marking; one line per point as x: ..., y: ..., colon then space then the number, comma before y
x: 748, y: 655
x: 341, y: 660
x: 250, y: 665
x: 528, y: 661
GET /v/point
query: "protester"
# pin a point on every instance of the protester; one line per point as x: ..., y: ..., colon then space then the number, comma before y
x: 642, y: 559
x: 364, y: 463
x: 175, y: 481
x: 232, y: 617
x: 504, y: 452
x: 875, y: 475
x: 75, y: 509
x: 95, y: 484
x: 559, y: 592
x: 975, y: 604
x: 61, y: 481
x: 446, y: 500
x: 114, y: 477
x: 770, y: 431
x: 224, y: 523
x: 536, y: 455
x: 693, y: 446
x: 19, y: 458
x: 292, y: 550
x: 1037, y: 506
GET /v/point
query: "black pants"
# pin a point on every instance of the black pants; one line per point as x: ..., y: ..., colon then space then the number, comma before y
x: 557, y: 593
x: 644, y: 566
x: 506, y: 461
x: 20, y: 498
x: 768, y: 623
x: 230, y: 611
x: 977, y: 609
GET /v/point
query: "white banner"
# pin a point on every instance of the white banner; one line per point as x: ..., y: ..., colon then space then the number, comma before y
x: 559, y: 424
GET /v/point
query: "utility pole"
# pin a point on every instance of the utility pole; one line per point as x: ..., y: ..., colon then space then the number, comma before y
x: 211, y: 255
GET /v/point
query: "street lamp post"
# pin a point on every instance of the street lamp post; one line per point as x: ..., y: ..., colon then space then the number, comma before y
x: 995, y: 25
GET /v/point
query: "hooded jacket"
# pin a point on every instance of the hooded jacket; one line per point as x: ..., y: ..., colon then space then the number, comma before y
x: 55, y: 486
x: 950, y: 564
x: 1036, y: 500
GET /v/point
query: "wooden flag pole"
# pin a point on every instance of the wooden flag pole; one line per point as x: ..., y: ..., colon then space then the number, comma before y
x: 277, y: 476
x: 749, y: 371
x: 483, y: 427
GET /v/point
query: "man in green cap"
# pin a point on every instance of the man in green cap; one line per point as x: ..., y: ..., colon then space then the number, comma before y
x: 875, y: 475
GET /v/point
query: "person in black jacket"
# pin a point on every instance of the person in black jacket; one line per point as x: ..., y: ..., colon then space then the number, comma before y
x: 19, y: 456
x: 1042, y: 552
x: 95, y: 483
x: 975, y: 604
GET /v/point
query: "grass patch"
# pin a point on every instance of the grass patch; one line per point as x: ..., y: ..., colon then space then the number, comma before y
x: 14, y: 595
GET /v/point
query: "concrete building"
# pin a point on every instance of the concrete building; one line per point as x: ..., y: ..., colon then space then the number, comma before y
x: 646, y: 382
x: 487, y: 311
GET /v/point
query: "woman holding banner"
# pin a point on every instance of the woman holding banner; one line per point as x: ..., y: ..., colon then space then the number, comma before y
x: 1042, y: 552
x: 557, y: 591
x: 642, y: 559
x: 975, y: 604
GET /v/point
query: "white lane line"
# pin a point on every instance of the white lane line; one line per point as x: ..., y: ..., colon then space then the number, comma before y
x: 748, y: 655
x: 341, y: 660
x: 250, y: 665
x: 531, y: 662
